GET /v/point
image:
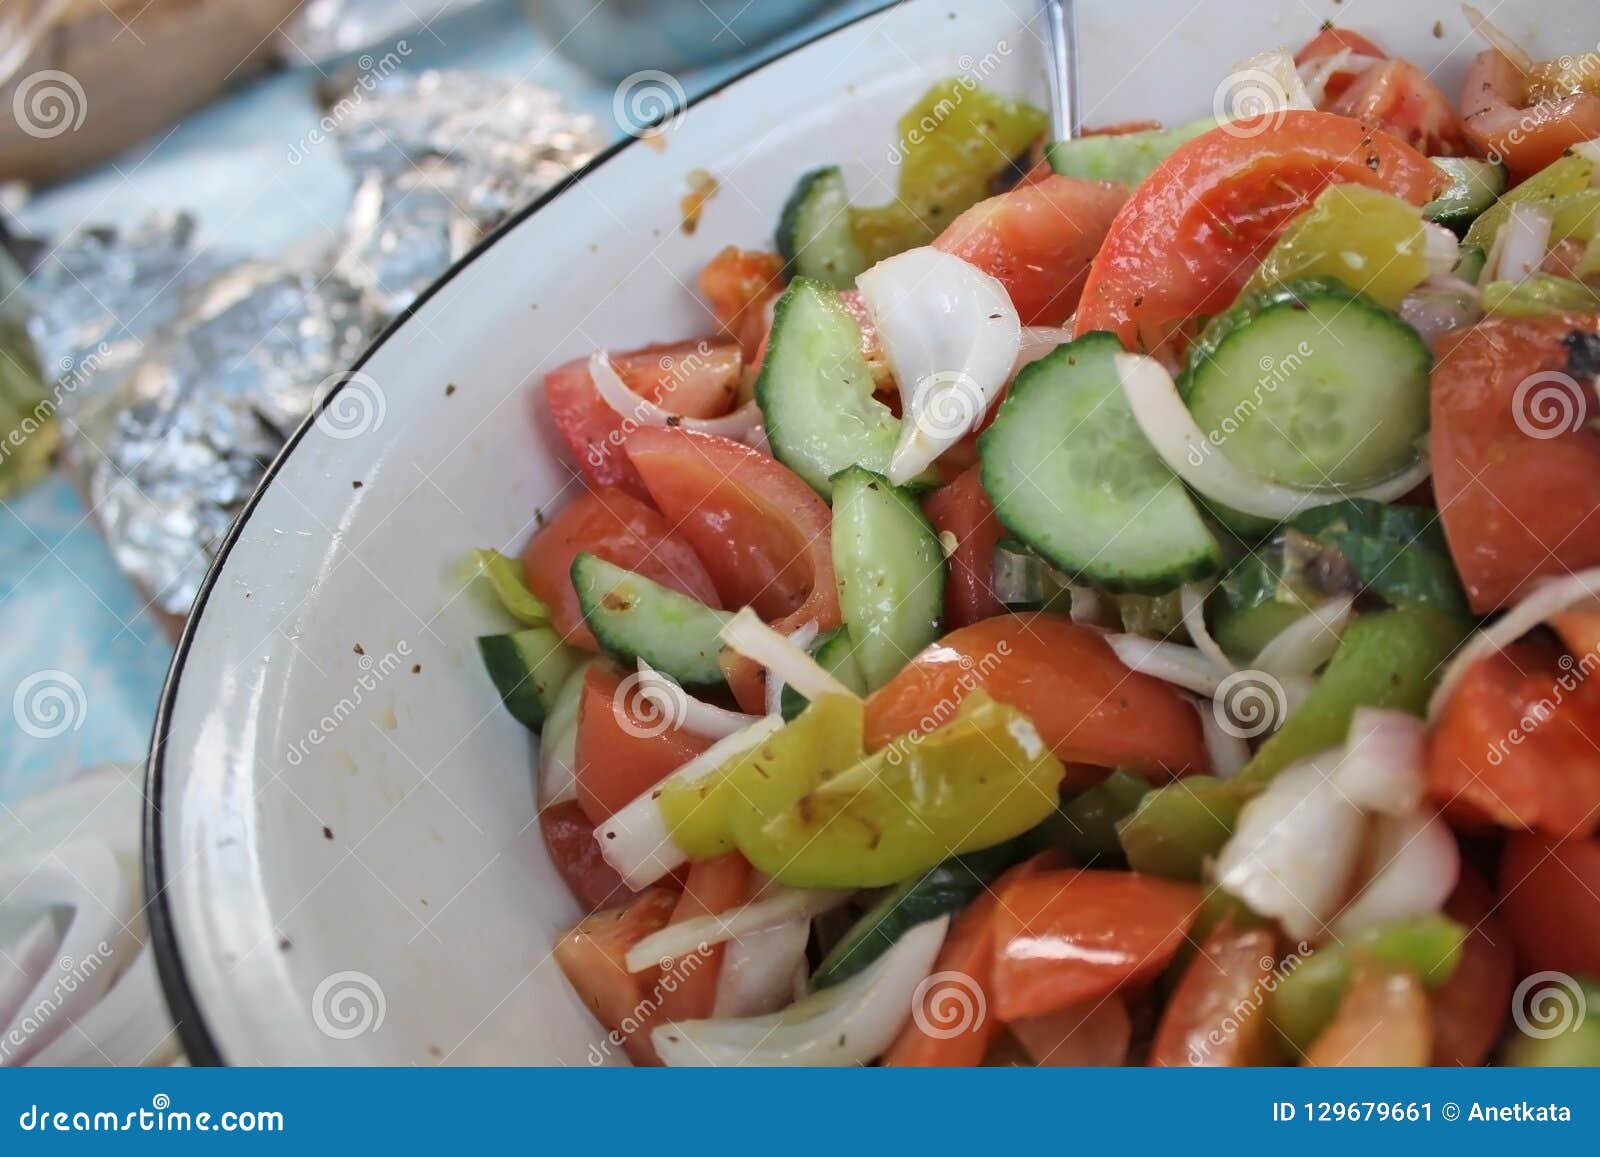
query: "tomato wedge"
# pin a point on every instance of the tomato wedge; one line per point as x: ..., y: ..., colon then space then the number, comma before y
x: 1214, y: 1017
x: 1087, y: 706
x: 1069, y: 936
x: 1470, y: 1008
x: 1527, y: 131
x: 688, y: 985
x: 697, y: 379
x: 1038, y: 240
x: 738, y: 284
x: 1383, y: 1020
x: 1516, y: 457
x: 1198, y: 226
x: 621, y: 754
x: 618, y: 528
x: 592, y: 955
x: 962, y: 508
x: 1094, y: 1034
x: 1550, y: 895
x: 1331, y: 41
x: 968, y: 951
x: 1397, y: 97
x: 569, y: 839
x: 1518, y: 744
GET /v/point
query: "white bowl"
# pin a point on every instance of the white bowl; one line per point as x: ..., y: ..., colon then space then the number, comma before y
x: 343, y: 860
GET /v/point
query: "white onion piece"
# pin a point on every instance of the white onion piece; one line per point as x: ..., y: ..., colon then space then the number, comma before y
x: 1267, y: 82
x: 1549, y: 597
x: 1308, y: 642
x: 1170, y: 662
x: 802, y: 636
x: 746, y: 634
x: 129, y: 1025
x: 558, y: 743
x: 1227, y: 749
x: 1381, y: 770
x: 697, y: 717
x: 951, y: 336
x: 1188, y: 453
x: 1317, y: 73
x: 637, y: 408
x: 686, y: 937
x: 1085, y: 606
x: 1415, y: 864
x: 1498, y: 39
x: 759, y: 970
x: 1441, y: 249
x: 848, y: 1024
x: 1434, y: 310
x: 1523, y: 241
x: 635, y: 841
x: 1295, y: 849
x: 1590, y: 151
x: 1192, y: 600
x: 1039, y: 340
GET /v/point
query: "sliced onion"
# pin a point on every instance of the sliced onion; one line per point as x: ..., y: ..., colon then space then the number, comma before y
x: 641, y: 410
x: 1498, y: 39
x: 1381, y: 770
x: 1227, y: 749
x: 1295, y: 849
x: 746, y: 634
x: 698, y: 717
x: 1415, y: 864
x: 759, y: 970
x: 802, y: 636
x: 1086, y: 606
x: 1192, y: 600
x: 558, y: 742
x: 1172, y: 663
x: 1441, y: 249
x: 1308, y: 642
x: 847, y: 1024
x: 1317, y: 73
x: 1549, y: 597
x: 635, y: 841
x: 1434, y: 310
x: 1522, y: 242
x: 686, y: 937
x: 951, y: 336
x: 1038, y: 341
x: 1188, y: 453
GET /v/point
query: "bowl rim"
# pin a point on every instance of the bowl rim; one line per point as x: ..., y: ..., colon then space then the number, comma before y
x: 199, y: 1044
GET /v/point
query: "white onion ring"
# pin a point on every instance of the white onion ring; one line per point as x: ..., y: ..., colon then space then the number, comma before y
x: 1308, y: 642
x: 634, y: 407
x: 1192, y: 599
x: 1172, y: 663
x: 702, y: 932
x: 802, y: 636
x: 699, y: 717
x: 747, y: 635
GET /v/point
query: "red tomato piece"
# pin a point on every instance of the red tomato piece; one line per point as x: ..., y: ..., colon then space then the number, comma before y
x: 1503, y: 120
x: 592, y: 955
x: 1070, y: 936
x: 962, y: 508
x: 1198, y: 226
x: 697, y: 379
x: 688, y: 985
x: 1550, y: 896
x: 1038, y: 240
x: 619, y: 528
x: 1383, y: 1020
x: 1470, y: 1008
x: 1518, y: 744
x: 1094, y: 1034
x: 1579, y: 630
x: 569, y: 839
x: 738, y: 284
x: 1516, y: 457
x: 1331, y: 41
x: 1214, y: 1017
x: 1087, y: 706
x: 620, y: 754
x: 1397, y: 97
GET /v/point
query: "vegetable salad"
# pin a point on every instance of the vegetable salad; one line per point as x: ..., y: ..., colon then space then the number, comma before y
x: 1127, y: 600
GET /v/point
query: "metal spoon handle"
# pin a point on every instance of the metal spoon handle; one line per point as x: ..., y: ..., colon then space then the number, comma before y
x: 1061, y: 60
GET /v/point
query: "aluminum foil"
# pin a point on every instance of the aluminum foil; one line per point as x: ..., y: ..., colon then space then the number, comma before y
x: 185, y: 370
x: 323, y: 30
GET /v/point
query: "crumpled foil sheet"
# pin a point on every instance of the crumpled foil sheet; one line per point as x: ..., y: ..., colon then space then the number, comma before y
x: 184, y: 370
x: 325, y: 29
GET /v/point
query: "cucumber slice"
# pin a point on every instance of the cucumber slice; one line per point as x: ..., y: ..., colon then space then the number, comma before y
x: 1124, y: 157
x: 815, y: 235
x: 835, y: 654
x: 528, y: 668
x: 940, y: 890
x: 1073, y: 477
x: 1474, y: 186
x: 635, y: 618
x: 890, y: 570
x: 815, y: 390
x: 1310, y: 384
